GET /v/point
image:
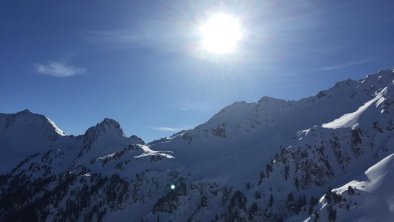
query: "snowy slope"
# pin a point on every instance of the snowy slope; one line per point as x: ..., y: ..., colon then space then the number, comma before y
x: 266, y: 161
x: 351, y: 119
x: 368, y: 200
x: 17, y: 133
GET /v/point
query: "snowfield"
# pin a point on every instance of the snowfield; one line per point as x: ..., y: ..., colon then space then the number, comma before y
x: 351, y: 119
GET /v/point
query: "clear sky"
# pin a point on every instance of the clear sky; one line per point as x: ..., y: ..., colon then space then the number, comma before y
x: 139, y: 62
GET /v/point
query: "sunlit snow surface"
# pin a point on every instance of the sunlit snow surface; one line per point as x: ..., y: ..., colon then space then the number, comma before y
x: 149, y: 152
x: 373, y: 199
x: 108, y: 156
x: 57, y: 129
x: 351, y: 119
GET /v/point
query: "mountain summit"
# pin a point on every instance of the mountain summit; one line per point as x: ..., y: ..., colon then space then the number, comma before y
x: 25, y: 133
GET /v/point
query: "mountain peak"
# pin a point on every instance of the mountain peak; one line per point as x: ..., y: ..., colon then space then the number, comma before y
x: 28, y: 118
x: 133, y: 139
x: 268, y: 99
x: 107, y: 126
x: 111, y: 123
x: 24, y: 112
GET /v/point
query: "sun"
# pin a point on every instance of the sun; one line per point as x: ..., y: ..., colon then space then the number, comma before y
x: 221, y: 34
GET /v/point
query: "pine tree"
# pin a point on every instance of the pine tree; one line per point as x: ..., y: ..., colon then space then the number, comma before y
x: 271, y: 200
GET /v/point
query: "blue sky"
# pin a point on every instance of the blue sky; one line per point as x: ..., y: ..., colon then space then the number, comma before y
x: 78, y: 62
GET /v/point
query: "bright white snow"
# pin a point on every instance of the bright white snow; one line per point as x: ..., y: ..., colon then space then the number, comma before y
x: 373, y: 199
x: 149, y: 152
x: 350, y: 120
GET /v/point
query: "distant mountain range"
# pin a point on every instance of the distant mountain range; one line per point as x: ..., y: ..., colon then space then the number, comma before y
x: 328, y: 157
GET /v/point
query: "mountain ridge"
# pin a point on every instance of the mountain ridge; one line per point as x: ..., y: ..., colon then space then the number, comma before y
x: 272, y: 160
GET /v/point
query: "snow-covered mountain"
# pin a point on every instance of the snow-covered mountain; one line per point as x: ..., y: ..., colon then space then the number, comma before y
x: 18, y: 132
x: 273, y: 160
